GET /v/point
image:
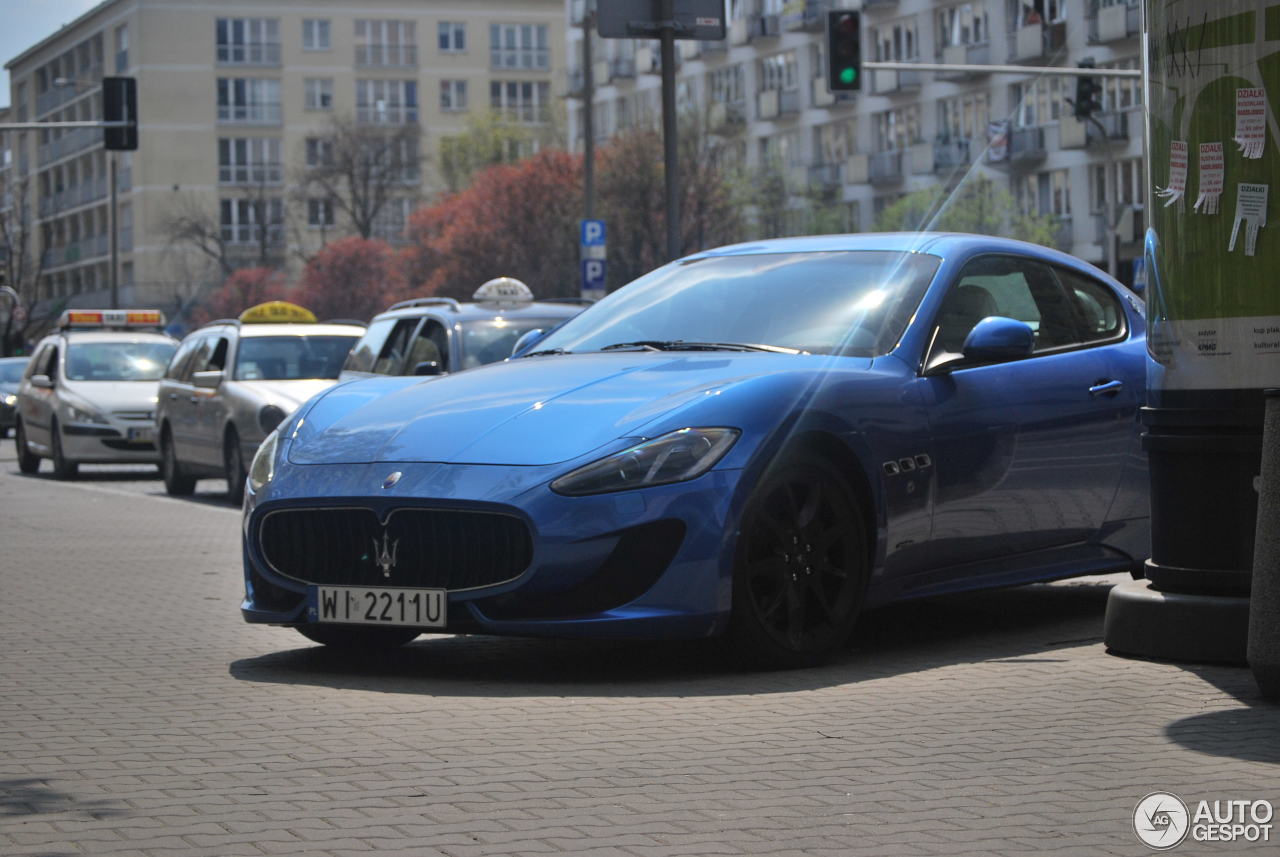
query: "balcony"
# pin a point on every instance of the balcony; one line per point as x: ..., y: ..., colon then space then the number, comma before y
x: 622, y: 68
x: 1115, y: 127
x: 1037, y: 42
x: 93, y: 247
x: 255, y: 53
x: 805, y: 15
x: 56, y: 96
x: 777, y: 103
x: 70, y: 143
x: 885, y: 168
x: 964, y: 55
x: 825, y: 175
x: 1113, y: 23
x: 950, y: 155
x: 649, y: 60
x: 1130, y: 226
x: 765, y: 26
x: 574, y: 83
x: 74, y: 196
x: 1026, y: 145
x: 251, y: 174
x: 385, y: 114
x: 857, y: 169
x: 126, y: 239
x: 387, y: 56
x: 891, y: 82
x: 722, y: 116
x: 879, y: 5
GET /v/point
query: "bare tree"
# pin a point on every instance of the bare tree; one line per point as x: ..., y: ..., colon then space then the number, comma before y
x: 360, y: 169
x: 255, y: 238
x: 20, y: 262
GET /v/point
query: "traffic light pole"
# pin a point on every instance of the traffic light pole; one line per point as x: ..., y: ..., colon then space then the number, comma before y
x: 671, y: 146
x: 1003, y: 69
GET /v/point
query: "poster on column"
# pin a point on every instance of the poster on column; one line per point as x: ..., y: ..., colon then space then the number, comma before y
x: 1213, y: 309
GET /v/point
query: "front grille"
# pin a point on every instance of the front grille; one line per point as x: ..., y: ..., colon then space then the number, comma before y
x: 434, y: 548
x: 144, y: 416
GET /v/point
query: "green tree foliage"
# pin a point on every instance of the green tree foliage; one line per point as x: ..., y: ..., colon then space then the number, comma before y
x: 978, y: 205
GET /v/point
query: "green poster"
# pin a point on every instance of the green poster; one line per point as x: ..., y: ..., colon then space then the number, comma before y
x: 1213, y: 259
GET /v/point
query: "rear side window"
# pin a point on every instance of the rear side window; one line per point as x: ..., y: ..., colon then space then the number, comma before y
x: 1099, y: 314
x: 362, y: 357
x: 391, y: 359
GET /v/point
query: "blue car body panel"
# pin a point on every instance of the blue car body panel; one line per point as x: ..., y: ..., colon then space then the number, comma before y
x: 995, y: 474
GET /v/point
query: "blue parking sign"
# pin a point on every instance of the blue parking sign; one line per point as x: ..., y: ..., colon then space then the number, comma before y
x: 593, y: 233
x: 593, y: 271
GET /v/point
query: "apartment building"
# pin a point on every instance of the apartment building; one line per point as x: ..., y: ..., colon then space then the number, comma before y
x: 909, y: 129
x: 236, y: 97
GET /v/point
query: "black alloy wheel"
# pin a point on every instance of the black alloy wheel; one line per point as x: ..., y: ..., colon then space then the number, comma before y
x: 28, y: 461
x: 353, y: 639
x: 63, y: 468
x: 801, y: 566
x: 233, y: 464
x: 176, y: 482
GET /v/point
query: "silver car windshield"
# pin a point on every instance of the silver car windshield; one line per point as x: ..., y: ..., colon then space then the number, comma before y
x: 291, y: 358
x: 118, y: 361
x: 11, y: 371
x: 491, y: 340
x: 855, y: 302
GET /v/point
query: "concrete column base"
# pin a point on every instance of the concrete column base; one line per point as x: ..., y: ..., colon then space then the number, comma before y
x: 1174, y: 626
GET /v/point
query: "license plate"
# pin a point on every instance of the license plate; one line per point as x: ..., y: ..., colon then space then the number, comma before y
x: 351, y: 605
x: 138, y: 435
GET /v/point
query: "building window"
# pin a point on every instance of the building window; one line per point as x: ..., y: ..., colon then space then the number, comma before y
x: 1027, y: 13
x: 727, y: 85
x: 248, y: 99
x: 833, y: 143
x: 519, y: 46
x: 390, y: 222
x: 782, y: 150
x: 385, y: 43
x: 319, y: 212
x: 778, y: 72
x: 122, y: 48
x: 963, y: 117
x: 523, y: 101
x: 249, y: 160
x: 319, y: 93
x: 1127, y: 181
x: 452, y: 37
x: 1040, y: 101
x: 248, y: 41
x: 1121, y: 93
x: 965, y: 24
x: 315, y: 34
x: 896, y: 41
x: 453, y: 95
x: 386, y: 102
x: 898, y: 129
x: 319, y: 151
x: 1045, y: 193
x: 250, y: 221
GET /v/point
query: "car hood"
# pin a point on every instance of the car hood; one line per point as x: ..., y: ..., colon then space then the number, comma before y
x: 116, y: 395
x: 286, y: 395
x: 532, y: 411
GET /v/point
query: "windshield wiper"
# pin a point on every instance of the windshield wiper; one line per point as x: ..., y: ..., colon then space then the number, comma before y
x: 545, y: 352
x: 683, y: 345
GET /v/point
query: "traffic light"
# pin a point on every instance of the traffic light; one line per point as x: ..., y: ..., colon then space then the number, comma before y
x: 1088, y: 93
x: 844, y: 51
x: 120, y: 104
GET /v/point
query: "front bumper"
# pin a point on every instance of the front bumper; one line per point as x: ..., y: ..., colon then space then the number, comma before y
x: 111, y: 442
x: 652, y: 563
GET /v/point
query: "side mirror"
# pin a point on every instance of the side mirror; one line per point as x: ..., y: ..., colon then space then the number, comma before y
x: 997, y: 338
x: 207, y: 380
x: 527, y: 340
x: 427, y: 367
x: 42, y: 381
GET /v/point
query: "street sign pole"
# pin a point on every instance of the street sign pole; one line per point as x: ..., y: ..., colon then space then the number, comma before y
x: 671, y: 148
x: 592, y: 244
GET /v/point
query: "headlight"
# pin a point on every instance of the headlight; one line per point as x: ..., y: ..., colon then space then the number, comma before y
x: 263, y: 467
x: 270, y: 417
x: 675, y: 457
x: 84, y: 414
x: 11, y: 400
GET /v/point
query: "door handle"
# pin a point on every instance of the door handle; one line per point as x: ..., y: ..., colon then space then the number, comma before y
x: 173, y: 396
x: 1106, y: 388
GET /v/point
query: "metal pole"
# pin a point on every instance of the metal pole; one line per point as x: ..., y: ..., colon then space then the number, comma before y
x: 1110, y: 187
x: 1023, y: 70
x: 670, y: 143
x: 588, y: 116
x: 115, y: 234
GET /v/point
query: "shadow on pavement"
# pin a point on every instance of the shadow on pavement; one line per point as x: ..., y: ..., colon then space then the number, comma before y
x: 1251, y: 734
x: 1026, y: 624
x: 36, y: 797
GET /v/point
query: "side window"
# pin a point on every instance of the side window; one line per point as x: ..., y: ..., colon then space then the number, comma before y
x: 365, y: 352
x: 1098, y: 312
x: 430, y: 345
x: 199, y: 357
x: 218, y: 359
x: 37, y: 364
x: 181, y: 357
x: 1006, y: 286
x: 391, y: 359
x: 50, y: 367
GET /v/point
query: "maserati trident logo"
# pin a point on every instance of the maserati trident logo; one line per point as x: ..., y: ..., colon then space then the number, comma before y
x: 391, y: 479
x: 384, y: 553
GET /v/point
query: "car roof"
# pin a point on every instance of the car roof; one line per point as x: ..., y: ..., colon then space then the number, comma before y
x: 113, y: 336
x: 483, y: 311
x: 14, y: 359
x: 285, y: 329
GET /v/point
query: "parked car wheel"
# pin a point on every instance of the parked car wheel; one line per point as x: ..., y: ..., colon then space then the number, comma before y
x: 63, y: 468
x: 176, y: 482
x: 233, y: 464
x: 28, y: 461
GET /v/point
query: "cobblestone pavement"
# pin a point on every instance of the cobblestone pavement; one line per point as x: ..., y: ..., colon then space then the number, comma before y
x: 140, y: 715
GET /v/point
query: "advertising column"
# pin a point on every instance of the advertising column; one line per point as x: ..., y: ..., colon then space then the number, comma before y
x: 1213, y: 308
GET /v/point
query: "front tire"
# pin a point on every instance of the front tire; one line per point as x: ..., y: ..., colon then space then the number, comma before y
x: 28, y: 461
x: 176, y: 482
x: 63, y: 468
x: 349, y: 639
x: 233, y: 464
x: 800, y: 568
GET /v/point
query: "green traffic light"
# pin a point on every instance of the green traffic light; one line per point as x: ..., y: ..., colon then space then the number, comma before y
x: 848, y: 75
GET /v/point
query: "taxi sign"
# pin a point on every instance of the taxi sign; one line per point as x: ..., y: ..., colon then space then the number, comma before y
x: 277, y: 312
x: 504, y: 290
x: 105, y: 318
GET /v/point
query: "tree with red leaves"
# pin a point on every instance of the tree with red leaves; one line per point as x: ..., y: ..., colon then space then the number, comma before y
x: 517, y: 220
x: 354, y: 278
x: 243, y: 289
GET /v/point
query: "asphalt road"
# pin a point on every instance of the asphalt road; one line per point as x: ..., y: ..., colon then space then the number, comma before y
x: 140, y: 715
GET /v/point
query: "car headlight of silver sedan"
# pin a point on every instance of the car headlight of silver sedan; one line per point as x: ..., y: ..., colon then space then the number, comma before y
x: 78, y: 412
x: 263, y: 468
x: 11, y: 400
x: 673, y: 457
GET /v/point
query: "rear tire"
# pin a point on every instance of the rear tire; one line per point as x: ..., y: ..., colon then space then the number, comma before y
x: 63, y: 468
x: 176, y: 482
x: 348, y: 639
x: 800, y: 568
x: 28, y: 461
x: 233, y: 464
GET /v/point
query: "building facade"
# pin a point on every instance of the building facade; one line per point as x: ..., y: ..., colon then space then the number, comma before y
x: 909, y: 129
x: 237, y: 99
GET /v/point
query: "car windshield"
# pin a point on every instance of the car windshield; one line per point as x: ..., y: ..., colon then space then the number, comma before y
x: 831, y: 302
x: 491, y: 340
x: 291, y: 358
x: 11, y: 371
x: 118, y: 361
